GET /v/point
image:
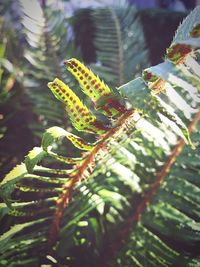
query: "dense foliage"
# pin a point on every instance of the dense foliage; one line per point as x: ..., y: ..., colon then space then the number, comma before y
x: 43, y: 35
x: 132, y: 198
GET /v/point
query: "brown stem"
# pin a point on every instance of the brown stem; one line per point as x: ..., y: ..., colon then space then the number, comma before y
x: 123, y: 235
x: 65, y: 197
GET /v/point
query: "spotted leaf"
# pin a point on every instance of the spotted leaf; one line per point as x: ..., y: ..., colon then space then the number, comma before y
x: 66, y: 160
x: 178, y: 52
x: 195, y: 33
x: 81, y: 117
x: 154, y: 82
x: 79, y: 142
x: 55, y: 133
x: 103, y: 97
x: 91, y: 84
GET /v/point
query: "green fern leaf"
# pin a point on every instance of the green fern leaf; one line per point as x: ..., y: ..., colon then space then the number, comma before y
x: 195, y: 32
x: 142, y: 98
x: 135, y: 205
x: 102, y: 96
x: 15, y: 174
x: 183, y: 32
x: 178, y: 52
x: 184, y: 41
x: 55, y: 133
x: 9, y: 182
x: 90, y: 84
x: 15, y: 229
x: 81, y: 117
x: 33, y: 157
x: 67, y: 160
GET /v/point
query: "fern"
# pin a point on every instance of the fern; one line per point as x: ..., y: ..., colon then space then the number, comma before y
x: 40, y: 39
x: 121, y: 51
x: 123, y: 202
x: 115, y: 41
x: 46, y: 33
x: 14, y: 113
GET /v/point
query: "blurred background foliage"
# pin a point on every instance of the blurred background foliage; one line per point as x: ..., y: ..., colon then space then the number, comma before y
x: 114, y: 38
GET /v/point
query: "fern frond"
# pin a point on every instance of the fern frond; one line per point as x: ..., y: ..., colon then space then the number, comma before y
x: 47, y: 45
x: 91, y: 84
x: 103, y: 97
x: 55, y: 133
x: 123, y: 196
x: 121, y: 52
x: 81, y: 117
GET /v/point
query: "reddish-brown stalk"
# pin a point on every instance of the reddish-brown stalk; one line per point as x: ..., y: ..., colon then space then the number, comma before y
x: 115, y: 247
x: 79, y: 175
